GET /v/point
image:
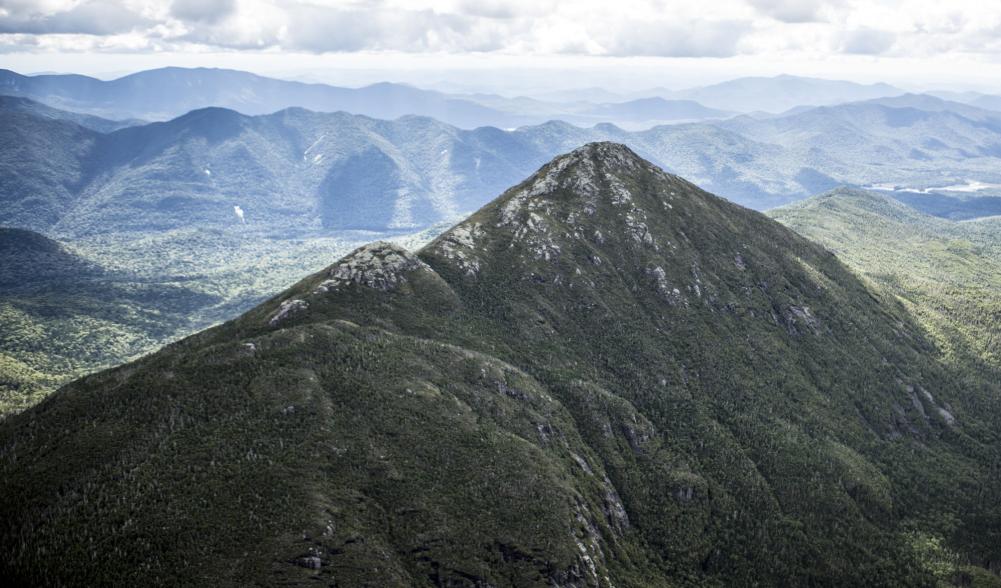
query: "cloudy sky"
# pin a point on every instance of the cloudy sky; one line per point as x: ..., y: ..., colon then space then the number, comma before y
x: 497, y: 43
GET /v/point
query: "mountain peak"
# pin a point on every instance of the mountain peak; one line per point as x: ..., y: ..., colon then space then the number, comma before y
x: 608, y: 151
x: 581, y: 170
x: 597, y: 201
x: 580, y: 178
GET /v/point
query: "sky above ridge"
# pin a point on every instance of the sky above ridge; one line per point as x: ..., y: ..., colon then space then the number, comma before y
x: 926, y: 43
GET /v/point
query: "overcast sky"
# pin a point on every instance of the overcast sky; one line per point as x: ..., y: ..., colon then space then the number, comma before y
x: 497, y: 44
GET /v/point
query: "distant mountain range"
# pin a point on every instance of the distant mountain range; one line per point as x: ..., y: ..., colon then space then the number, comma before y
x: 297, y: 170
x: 18, y: 104
x: 170, y: 92
x: 162, y: 94
x: 773, y: 95
x: 166, y: 93
x: 780, y: 93
x: 646, y: 110
x: 978, y: 99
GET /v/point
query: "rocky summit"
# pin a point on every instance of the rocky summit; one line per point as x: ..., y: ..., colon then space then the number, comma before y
x: 604, y: 377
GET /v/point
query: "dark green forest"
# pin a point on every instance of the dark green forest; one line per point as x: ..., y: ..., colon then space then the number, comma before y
x: 607, y: 376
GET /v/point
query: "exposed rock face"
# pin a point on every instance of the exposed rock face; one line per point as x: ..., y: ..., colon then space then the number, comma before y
x: 614, y: 510
x: 380, y: 265
x: 459, y: 245
x: 801, y: 318
x: 589, y: 173
x: 286, y: 310
x: 944, y: 411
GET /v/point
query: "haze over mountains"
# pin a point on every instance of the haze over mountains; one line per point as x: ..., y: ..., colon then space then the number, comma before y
x: 297, y: 170
x: 170, y: 92
x: 780, y: 93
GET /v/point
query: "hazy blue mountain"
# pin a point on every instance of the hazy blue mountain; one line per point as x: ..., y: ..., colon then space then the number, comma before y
x: 966, y: 97
x: 990, y: 102
x: 95, y: 123
x: 954, y: 207
x: 593, y: 95
x: 978, y: 99
x: 653, y: 109
x: 298, y: 170
x: 165, y: 93
x: 604, y: 377
x: 870, y: 143
x: 780, y: 93
x: 933, y: 103
x: 293, y: 170
x: 170, y: 92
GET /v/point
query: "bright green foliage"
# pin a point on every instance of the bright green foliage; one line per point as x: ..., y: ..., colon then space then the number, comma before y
x: 605, y: 377
x: 63, y: 316
x: 67, y: 311
x: 947, y: 274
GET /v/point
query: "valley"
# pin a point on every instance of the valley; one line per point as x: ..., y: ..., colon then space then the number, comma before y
x: 120, y: 296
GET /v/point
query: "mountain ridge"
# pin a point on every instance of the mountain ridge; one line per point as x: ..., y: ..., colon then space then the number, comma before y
x: 153, y: 94
x: 604, y: 376
x: 297, y: 170
x: 157, y: 94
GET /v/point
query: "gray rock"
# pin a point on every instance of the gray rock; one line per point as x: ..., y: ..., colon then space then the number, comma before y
x: 288, y: 309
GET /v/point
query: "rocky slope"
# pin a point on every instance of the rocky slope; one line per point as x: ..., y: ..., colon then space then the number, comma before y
x: 604, y: 377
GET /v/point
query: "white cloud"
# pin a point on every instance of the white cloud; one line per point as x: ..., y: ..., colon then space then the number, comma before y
x: 667, y: 38
x: 211, y: 11
x: 772, y: 29
x: 506, y: 9
x: 791, y: 11
x: 321, y: 29
x: 96, y: 17
x: 866, y: 41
